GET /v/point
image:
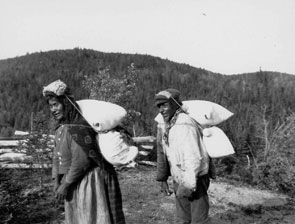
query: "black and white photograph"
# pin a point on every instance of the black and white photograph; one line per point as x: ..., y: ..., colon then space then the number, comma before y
x: 147, y: 111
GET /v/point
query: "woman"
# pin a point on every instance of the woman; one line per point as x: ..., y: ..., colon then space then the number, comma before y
x: 83, y: 179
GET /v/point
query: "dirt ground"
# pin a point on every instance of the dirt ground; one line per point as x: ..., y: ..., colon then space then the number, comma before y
x: 143, y: 202
x: 230, y: 204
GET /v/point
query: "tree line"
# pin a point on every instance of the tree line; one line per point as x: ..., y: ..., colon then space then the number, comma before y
x: 261, y: 101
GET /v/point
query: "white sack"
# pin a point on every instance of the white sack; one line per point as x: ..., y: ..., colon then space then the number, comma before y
x: 101, y: 115
x: 204, y: 112
x: 114, y: 149
x: 217, y: 143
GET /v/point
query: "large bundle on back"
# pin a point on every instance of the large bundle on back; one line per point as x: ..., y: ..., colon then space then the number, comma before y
x: 101, y: 115
x: 106, y: 119
x: 208, y: 114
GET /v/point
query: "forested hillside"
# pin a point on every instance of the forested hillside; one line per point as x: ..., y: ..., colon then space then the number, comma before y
x: 260, y: 100
x: 22, y: 79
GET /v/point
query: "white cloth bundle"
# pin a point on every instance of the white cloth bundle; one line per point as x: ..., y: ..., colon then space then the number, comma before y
x: 101, y: 115
x: 204, y: 112
x: 114, y: 149
x: 217, y: 143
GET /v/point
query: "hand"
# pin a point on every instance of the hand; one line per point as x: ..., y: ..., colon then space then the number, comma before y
x: 57, y: 181
x: 56, y: 186
x: 184, y: 192
x: 62, y: 191
x: 165, y: 188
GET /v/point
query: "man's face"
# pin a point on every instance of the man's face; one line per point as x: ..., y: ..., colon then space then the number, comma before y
x: 56, y: 109
x: 167, y: 110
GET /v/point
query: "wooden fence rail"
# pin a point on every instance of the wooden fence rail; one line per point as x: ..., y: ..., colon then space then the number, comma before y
x: 12, y: 158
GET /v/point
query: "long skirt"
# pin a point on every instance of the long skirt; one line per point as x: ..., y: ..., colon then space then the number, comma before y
x: 96, y: 199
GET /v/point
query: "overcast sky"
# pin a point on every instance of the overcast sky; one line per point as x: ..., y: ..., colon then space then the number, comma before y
x: 224, y: 36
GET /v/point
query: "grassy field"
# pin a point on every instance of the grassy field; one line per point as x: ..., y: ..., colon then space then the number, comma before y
x: 142, y: 201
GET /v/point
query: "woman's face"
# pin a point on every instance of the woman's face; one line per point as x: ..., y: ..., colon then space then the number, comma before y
x: 56, y: 109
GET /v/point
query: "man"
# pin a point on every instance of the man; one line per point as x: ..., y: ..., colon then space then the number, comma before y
x: 181, y: 154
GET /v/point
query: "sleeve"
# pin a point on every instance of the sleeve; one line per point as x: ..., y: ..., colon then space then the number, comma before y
x: 190, y: 145
x: 80, y: 161
x: 163, y: 169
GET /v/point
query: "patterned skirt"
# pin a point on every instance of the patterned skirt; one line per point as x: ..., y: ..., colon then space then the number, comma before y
x: 96, y: 199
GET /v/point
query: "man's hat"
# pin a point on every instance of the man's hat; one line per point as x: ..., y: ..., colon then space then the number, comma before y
x: 165, y: 95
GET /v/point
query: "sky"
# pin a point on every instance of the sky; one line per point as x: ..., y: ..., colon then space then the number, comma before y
x: 222, y: 36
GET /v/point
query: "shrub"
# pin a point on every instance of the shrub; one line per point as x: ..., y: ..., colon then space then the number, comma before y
x: 275, y: 168
x: 23, y: 200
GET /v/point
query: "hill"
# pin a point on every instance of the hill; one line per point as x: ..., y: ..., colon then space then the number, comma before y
x: 260, y: 101
x: 247, y: 95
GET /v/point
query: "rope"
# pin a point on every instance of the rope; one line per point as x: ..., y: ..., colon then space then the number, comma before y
x: 79, y: 111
